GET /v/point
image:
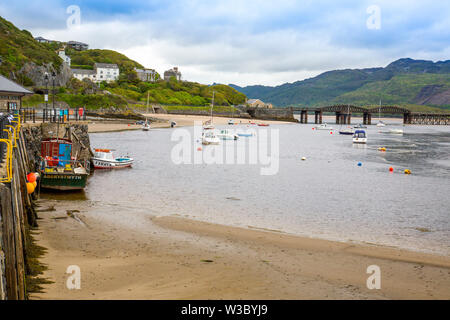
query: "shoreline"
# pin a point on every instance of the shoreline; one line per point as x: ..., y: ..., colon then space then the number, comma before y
x: 177, y: 258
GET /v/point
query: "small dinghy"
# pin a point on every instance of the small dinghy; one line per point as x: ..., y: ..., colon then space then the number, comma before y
x: 245, y: 134
x: 396, y: 131
x: 347, y: 131
x: 104, y: 159
x: 209, y: 137
x: 324, y: 126
x: 227, y: 135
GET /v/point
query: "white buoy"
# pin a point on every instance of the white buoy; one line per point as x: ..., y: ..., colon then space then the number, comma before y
x: 304, y: 159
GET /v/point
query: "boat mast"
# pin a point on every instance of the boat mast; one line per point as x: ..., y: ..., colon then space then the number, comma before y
x: 212, y: 106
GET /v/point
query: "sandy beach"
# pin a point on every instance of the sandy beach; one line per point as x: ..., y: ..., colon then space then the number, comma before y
x: 176, y: 258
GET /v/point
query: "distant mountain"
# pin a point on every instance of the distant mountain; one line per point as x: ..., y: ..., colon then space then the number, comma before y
x: 405, y: 81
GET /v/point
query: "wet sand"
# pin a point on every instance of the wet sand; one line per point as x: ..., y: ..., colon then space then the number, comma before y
x: 175, y: 258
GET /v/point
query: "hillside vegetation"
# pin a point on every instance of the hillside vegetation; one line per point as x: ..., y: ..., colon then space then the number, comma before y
x: 404, y: 82
x: 19, y: 47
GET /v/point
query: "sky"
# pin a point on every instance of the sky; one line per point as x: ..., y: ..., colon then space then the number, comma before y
x: 246, y: 42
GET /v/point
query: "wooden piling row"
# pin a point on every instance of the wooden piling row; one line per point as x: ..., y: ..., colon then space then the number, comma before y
x: 16, y: 209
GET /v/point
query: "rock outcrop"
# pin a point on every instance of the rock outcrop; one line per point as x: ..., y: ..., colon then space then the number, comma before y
x: 37, y: 74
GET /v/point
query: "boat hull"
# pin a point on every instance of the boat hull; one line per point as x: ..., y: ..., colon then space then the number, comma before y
x: 346, y: 133
x: 63, y: 181
x: 360, y: 140
x: 103, y: 164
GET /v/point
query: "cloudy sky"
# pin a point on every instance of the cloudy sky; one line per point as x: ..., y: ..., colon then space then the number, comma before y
x: 246, y: 41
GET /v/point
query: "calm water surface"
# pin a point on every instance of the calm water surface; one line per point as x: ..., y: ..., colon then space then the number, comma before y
x: 327, y: 196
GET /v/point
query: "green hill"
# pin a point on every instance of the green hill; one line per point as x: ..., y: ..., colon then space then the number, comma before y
x: 17, y: 47
x: 404, y: 82
x: 87, y: 59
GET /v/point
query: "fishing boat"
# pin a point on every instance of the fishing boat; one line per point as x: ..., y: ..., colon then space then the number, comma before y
x: 360, y: 136
x: 104, y: 159
x: 227, y: 135
x: 59, y: 169
x: 347, y: 131
x: 324, y: 126
x: 396, y: 131
x: 231, y: 122
x: 209, y: 137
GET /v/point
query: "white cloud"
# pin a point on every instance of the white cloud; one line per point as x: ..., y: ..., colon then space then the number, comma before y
x: 257, y: 42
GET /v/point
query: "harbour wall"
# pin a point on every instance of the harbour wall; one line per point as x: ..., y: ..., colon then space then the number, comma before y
x: 18, y: 215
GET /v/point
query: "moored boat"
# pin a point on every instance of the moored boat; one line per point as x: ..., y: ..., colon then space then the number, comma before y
x: 59, y: 170
x: 347, y: 131
x: 324, y: 126
x: 104, y: 159
x: 209, y: 137
x: 396, y: 131
x: 360, y: 136
x: 263, y: 124
x: 146, y: 126
x: 227, y: 135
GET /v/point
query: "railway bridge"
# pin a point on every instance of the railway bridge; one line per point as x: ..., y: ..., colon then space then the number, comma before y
x: 344, y: 114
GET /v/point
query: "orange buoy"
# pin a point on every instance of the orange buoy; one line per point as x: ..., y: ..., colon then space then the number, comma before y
x: 391, y: 169
x: 31, y: 177
x: 30, y: 188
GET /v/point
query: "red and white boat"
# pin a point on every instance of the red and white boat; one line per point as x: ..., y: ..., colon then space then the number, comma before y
x: 104, y: 159
x: 263, y: 124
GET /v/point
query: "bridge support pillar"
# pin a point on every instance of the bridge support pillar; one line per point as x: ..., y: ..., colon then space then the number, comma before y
x: 304, y: 116
x: 369, y: 119
x: 349, y: 118
x: 338, y: 117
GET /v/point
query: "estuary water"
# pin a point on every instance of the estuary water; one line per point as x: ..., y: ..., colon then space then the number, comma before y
x: 327, y: 196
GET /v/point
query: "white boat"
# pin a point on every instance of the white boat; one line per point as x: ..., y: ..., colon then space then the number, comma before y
x: 146, y: 126
x: 324, y: 126
x: 104, y: 159
x: 227, y: 135
x: 209, y: 137
x: 347, y: 131
x: 360, y: 136
x: 380, y: 123
x: 231, y: 122
x: 245, y: 134
x: 396, y: 131
x: 208, y: 125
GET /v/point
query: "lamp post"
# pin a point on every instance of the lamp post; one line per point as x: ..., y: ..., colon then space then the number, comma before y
x: 53, y: 96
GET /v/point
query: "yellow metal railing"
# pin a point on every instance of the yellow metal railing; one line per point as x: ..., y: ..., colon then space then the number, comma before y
x: 15, y: 136
x: 9, y: 155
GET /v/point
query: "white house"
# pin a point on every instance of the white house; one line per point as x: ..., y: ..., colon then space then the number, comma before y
x: 66, y: 59
x: 102, y: 72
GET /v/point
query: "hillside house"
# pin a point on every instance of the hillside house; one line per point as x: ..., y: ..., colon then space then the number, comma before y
x: 102, y: 72
x: 256, y: 103
x: 146, y: 75
x: 66, y: 59
x: 174, y: 72
x: 79, y: 46
x: 11, y: 94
